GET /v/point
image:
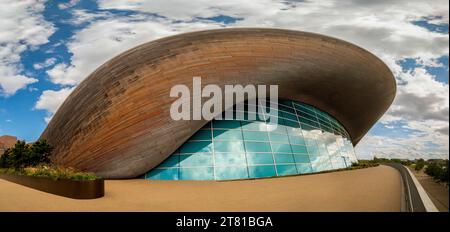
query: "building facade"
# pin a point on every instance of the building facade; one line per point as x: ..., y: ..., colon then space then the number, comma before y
x: 304, y: 140
x: 117, y: 122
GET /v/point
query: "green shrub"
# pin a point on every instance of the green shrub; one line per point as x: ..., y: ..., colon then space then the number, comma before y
x: 34, y: 160
x: 55, y: 173
x: 438, y: 170
x: 420, y: 163
x: 5, y: 159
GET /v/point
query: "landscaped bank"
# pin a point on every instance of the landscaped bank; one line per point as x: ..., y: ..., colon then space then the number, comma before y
x: 30, y: 165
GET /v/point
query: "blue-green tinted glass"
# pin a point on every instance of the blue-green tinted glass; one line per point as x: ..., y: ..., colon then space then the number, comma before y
x: 291, y: 138
x: 200, y: 173
x: 202, y: 135
x: 229, y: 146
x: 261, y: 171
x: 257, y: 147
x: 229, y: 173
x: 226, y: 124
x: 259, y: 158
x: 281, y: 138
x: 256, y: 136
x: 172, y: 161
x: 195, y: 160
x: 195, y: 147
x: 297, y: 140
x: 277, y: 129
x: 301, y: 158
x: 281, y: 148
x: 163, y: 174
x: 288, y: 169
x: 299, y: 149
x: 227, y: 134
x: 284, y: 158
x: 254, y: 126
x: 304, y: 168
x: 294, y: 131
x: 229, y: 159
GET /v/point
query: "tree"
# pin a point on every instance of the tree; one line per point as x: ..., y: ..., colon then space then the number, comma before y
x: 40, y: 153
x: 19, y: 155
x: 25, y: 155
x: 5, y: 159
x: 438, y: 170
x: 420, y: 163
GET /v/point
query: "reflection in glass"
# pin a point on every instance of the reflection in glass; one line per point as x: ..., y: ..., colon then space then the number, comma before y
x: 304, y: 140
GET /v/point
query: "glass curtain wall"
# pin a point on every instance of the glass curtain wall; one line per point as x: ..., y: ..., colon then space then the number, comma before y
x: 305, y: 140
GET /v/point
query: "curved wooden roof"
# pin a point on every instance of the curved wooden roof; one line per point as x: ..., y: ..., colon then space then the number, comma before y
x: 117, y: 121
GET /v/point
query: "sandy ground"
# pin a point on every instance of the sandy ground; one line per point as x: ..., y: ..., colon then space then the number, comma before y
x: 438, y: 193
x: 370, y: 189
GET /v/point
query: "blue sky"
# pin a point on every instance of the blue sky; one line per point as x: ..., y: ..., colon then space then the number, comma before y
x: 48, y: 47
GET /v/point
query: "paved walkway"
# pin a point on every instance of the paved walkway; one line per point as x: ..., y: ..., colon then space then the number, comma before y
x: 370, y: 189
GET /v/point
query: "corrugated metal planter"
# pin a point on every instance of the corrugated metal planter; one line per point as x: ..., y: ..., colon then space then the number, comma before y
x: 76, y: 189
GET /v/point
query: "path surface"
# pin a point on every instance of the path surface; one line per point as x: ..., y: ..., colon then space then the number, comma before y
x: 414, y: 202
x: 438, y: 193
x: 370, y: 189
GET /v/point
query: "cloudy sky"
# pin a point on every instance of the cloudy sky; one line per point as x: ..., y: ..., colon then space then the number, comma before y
x: 48, y: 47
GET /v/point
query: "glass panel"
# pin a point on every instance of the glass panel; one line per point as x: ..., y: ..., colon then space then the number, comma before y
x: 290, y: 116
x: 202, y: 135
x: 313, y: 158
x: 254, y: 126
x: 163, y: 174
x: 299, y: 149
x: 196, y: 160
x: 257, y: 147
x: 227, y: 159
x: 274, y: 137
x: 312, y: 150
x: 283, y: 170
x: 318, y: 143
x: 261, y: 171
x: 301, y: 158
x: 229, y: 146
x: 295, y: 131
x: 259, y: 158
x: 226, y: 124
x: 172, y: 161
x: 229, y: 173
x: 193, y: 147
x: 276, y: 129
x: 227, y: 134
x: 284, y: 158
x: 281, y: 148
x: 286, y: 109
x: 256, y: 136
x: 288, y: 123
x: 297, y: 140
x: 303, y: 168
x: 204, y: 173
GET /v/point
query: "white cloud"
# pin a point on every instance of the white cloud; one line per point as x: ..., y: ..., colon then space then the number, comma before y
x: 107, y: 38
x: 51, y: 100
x: 47, y: 63
x: 69, y: 4
x: 382, y: 27
x: 22, y: 27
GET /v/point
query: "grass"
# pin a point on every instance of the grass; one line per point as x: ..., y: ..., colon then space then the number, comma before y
x: 55, y: 173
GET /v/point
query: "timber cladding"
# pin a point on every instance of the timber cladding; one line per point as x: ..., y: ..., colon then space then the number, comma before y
x: 117, y: 122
